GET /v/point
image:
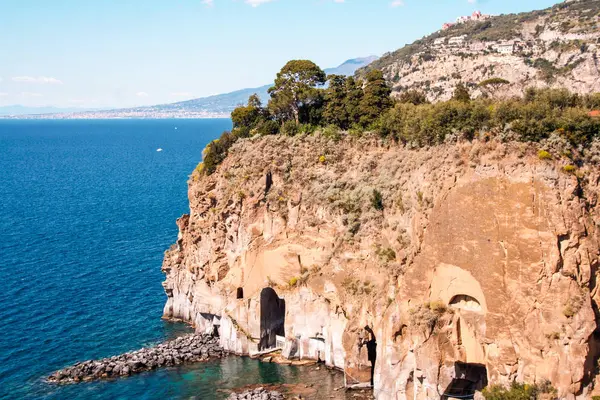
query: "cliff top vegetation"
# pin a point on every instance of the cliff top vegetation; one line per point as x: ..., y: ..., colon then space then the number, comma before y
x: 304, y: 100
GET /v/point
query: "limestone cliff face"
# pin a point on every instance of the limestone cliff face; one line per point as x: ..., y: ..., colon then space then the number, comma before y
x: 473, y: 263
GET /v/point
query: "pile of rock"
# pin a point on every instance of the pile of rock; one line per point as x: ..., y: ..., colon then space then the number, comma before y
x: 256, y: 394
x: 189, y: 348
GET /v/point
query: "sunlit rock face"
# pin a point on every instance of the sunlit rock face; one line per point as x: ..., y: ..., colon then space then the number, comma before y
x: 480, y: 269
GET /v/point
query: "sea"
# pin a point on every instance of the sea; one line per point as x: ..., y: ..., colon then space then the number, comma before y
x: 87, y: 209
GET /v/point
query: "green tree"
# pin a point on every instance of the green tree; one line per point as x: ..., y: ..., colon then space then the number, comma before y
x: 354, y: 95
x: 414, y: 97
x: 492, y: 85
x: 461, y: 93
x: 246, y: 118
x: 335, y: 111
x: 295, y: 88
x: 376, y: 99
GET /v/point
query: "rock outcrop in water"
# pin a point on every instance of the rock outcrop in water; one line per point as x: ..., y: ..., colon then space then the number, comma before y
x: 472, y: 263
x: 256, y: 394
x: 190, y: 348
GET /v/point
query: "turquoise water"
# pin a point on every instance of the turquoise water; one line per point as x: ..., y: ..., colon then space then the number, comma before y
x: 87, y: 210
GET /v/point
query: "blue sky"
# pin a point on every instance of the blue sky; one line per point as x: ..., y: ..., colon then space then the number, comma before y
x: 115, y: 53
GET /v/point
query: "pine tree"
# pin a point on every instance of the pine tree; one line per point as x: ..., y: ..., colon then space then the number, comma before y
x: 376, y: 99
x: 335, y: 111
x: 295, y: 88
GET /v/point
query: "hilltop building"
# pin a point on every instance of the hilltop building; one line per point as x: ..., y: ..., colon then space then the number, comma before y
x: 476, y: 16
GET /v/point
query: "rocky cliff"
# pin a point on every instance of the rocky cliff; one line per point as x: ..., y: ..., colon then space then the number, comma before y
x: 471, y: 263
x: 555, y: 47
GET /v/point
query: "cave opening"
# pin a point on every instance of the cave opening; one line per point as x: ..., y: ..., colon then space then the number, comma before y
x: 371, y: 342
x: 465, y: 302
x: 272, y: 318
x: 239, y: 293
x: 468, y: 378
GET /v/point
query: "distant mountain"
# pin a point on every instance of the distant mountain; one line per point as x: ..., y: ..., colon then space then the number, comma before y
x: 349, y: 67
x: 226, y: 103
x: 220, y: 105
x: 23, y: 110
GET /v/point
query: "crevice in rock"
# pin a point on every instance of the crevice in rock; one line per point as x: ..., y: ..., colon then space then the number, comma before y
x: 268, y: 182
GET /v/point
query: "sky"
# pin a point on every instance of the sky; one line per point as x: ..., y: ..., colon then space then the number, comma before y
x: 121, y: 53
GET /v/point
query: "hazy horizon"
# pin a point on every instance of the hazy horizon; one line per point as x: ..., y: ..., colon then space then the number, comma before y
x: 113, y: 55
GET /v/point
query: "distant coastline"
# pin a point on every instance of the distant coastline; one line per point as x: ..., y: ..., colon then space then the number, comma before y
x: 117, y: 115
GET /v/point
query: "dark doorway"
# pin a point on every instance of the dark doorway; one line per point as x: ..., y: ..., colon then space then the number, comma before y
x: 272, y: 318
x: 239, y: 293
x: 371, y: 342
x: 468, y: 378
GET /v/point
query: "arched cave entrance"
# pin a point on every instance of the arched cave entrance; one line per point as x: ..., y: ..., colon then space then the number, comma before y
x: 272, y: 318
x: 465, y: 302
x: 468, y: 378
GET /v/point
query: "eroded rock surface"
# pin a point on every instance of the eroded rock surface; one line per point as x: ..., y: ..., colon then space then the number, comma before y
x: 481, y: 268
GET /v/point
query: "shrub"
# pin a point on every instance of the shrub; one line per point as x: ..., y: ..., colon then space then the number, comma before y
x: 293, y: 281
x: 413, y: 97
x: 306, y: 129
x: 437, y: 307
x: 377, y: 200
x: 356, y: 287
x: 570, y: 169
x: 216, y: 151
x: 573, y: 306
x: 322, y: 159
x: 426, y: 315
x: 544, y: 155
x: 520, y: 391
x: 420, y: 197
x: 332, y: 132
x: 386, y: 254
x: 267, y: 127
x: 289, y: 128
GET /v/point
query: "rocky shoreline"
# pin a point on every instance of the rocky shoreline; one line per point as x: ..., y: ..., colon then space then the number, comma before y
x: 189, y: 348
x: 259, y: 393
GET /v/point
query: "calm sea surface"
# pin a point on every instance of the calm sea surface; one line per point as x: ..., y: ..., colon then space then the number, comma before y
x: 87, y: 209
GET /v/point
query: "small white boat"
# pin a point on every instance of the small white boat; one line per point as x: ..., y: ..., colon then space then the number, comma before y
x: 159, y: 149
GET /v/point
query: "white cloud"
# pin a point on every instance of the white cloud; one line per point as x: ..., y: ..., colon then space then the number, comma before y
x: 256, y: 3
x: 208, y: 3
x: 339, y: 1
x: 39, y: 79
x: 472, y: 1
x: 397, y: 3
x: 142, y: 94
x: 181, y: 94
x: 3, y: 94
x: 31, y: 94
